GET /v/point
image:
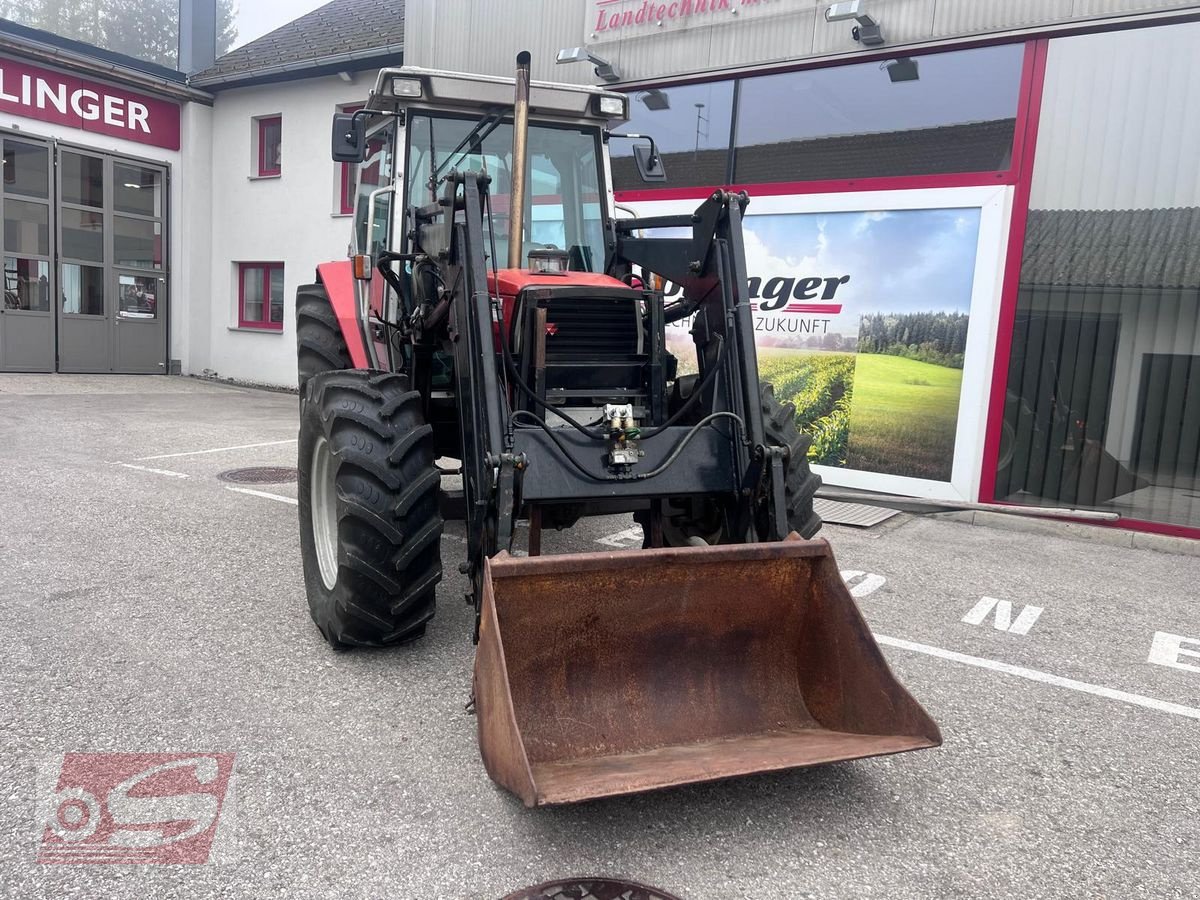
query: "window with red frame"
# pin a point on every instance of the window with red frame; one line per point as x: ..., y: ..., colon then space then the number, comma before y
x: 347, y: 174
x: 934, y: 116
x: 270, y: 145
x: 260, y: 295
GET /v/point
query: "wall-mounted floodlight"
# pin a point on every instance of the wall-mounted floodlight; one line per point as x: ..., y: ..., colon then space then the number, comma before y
x: 604, y: 69
x: 655, y: 99
x: 867, y: 31
x: 902, y: 69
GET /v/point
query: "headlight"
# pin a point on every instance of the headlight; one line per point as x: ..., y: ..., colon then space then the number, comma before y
x: 548, y: 261
x: 612, y: 106
x: 404, y: 87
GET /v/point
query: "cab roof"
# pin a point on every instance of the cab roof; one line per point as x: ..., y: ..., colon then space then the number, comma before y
x: 396, y: 88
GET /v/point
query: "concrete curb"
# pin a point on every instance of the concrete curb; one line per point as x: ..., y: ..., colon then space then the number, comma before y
x: 1096, y: 534
x: 238, y: 383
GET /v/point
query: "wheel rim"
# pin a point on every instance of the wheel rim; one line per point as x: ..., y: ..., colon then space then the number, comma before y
x: 324, y: 512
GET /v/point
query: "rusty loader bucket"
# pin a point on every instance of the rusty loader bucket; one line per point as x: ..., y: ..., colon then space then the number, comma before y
x: 611, y: 673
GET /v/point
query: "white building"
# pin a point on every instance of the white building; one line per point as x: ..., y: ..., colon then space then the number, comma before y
x: 280, y: 206
x: 185, y: 211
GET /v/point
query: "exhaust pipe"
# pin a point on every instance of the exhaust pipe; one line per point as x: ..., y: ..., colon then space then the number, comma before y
x: 516, y: 206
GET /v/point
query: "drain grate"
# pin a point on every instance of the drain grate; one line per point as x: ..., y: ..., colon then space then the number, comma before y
x: 591, y: 889
x: 858, y: 515
x: 260, y: 475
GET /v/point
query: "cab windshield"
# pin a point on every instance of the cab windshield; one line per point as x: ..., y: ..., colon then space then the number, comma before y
x: 562, y: 187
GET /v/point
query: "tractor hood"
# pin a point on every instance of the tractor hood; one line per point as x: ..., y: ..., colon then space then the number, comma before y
x: 510, y: 282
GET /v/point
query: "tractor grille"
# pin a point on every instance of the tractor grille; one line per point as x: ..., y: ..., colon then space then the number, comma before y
x: 592, y: 327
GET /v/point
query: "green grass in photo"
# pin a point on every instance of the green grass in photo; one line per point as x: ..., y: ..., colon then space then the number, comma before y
x: 821, y: 385
x: 903, y: 417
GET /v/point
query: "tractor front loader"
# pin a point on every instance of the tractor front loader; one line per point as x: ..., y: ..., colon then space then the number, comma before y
x: 729, y: 644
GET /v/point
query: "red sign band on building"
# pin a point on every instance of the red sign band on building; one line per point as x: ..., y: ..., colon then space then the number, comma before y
x: 37, y: 93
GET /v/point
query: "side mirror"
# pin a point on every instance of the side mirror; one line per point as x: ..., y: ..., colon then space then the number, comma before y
x: 649, y: 163
x: 349, y: 144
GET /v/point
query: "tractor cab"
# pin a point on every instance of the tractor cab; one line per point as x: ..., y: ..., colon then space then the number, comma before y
x: 419, y: 126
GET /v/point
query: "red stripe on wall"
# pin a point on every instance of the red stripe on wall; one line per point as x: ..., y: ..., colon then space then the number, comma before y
x: 1033, y: 78
x: 832, y: 310
x: 897, y: 183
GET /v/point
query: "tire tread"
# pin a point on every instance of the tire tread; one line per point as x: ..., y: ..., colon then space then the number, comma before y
x: 389, y: 521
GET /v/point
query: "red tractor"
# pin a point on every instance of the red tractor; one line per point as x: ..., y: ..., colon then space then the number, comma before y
x: 495, y: 313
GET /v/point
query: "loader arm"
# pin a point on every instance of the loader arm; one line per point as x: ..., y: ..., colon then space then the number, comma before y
x: 486, y: 463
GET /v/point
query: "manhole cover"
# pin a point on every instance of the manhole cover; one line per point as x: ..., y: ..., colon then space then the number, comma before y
x: 260, y: 475
x: 591, y: 889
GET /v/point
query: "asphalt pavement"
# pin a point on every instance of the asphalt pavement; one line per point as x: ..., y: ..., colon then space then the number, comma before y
x: 151, y: 607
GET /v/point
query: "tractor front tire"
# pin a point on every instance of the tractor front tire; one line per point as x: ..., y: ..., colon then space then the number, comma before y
x: 320, y: 345
x: 370, y: 526
x: 800, y: 484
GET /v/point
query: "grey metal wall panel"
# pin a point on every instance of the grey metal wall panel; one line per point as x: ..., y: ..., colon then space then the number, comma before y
x: 767, y: 40
x: 1121, y: 7
x: 980, y: 16
x: 485, y: 35
x: 1117, y: 135
x: 903, y: 22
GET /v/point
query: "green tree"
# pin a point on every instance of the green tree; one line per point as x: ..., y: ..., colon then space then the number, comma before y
x: 145, y: 29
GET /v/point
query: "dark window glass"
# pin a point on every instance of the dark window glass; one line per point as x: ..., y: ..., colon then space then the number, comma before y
x: 261, y: 296
x: 137, y: 190
x: 562, y: 188
x: 26, y: 227
x: 925, y: 115
x: 1102, y: 406
x: 26, y: 284
x: 252, y: 294
x: 275, y: 283
x: 690, y: 124
x: 375, y: 172
x: 1102, y: 403
x: 83, y: 290
x: 270, y: 146
x: 82, y: 234
x: 26, y: 169
x: 137, y: 242
x: 82, y: 179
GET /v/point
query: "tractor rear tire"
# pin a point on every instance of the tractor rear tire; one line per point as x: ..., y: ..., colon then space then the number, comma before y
x: 800, y: 484
x: 370, y: 526
x: 320, y: 345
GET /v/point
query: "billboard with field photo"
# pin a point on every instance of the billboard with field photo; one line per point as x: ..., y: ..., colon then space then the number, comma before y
x: 861, y: 321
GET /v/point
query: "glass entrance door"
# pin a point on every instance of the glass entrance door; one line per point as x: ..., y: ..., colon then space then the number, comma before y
x: 26, y: 315
x: 112, y: 268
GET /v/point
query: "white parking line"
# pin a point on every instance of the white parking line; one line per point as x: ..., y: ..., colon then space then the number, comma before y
x: 216, y: 450
x: 623, y: 540
x: 155, y: 471
x: 1083, y: 687
x: 253, y: 493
